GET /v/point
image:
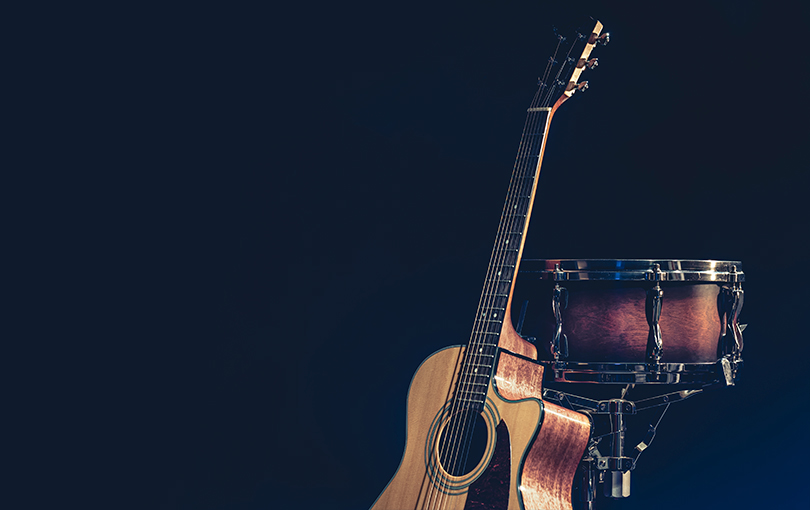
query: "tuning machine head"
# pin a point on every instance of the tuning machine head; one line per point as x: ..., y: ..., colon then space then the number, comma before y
x: 590, y: 64
x: 581, y: 87
x: 600, y: 39
x: 603, y: 39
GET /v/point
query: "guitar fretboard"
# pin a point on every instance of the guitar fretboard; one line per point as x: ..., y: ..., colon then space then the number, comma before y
x: 479, y: 356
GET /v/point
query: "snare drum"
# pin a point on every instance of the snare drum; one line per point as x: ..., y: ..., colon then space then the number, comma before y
x: 633, y: 321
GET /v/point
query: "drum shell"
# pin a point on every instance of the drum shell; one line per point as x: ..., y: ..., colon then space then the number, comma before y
x: 607, y: 321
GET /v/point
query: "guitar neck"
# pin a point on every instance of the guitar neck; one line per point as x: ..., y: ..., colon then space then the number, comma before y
x: 509, y: 241
x: 505, y: 259
x: 494, y: 306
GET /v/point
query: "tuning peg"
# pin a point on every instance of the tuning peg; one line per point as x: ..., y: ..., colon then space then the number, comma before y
x: 603, y: 39
x: 581, y: 87
x: 592, y: 63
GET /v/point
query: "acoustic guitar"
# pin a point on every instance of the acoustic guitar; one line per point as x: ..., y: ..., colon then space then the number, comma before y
x: 479, y: 434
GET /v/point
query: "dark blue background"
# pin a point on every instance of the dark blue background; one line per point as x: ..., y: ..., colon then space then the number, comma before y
x: 250, y: 226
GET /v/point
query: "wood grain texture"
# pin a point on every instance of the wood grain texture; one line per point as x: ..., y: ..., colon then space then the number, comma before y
x: 513, y: 342
x: 610, y: 325
x: 416, y: 487
x: 552, y: 460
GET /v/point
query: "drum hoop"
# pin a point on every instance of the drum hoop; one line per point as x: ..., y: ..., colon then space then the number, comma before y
x: 572, y: 372
x: 709, y: 271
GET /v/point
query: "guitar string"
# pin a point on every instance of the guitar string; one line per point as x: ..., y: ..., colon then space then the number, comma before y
x: 472, y: 356
x: 524, y: 180
x: 522, y: 183
x: 525, y: 174
x: 520, y: 189
x: 557, y: 82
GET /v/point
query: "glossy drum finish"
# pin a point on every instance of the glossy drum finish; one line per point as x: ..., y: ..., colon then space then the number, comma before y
x: 606, y: 318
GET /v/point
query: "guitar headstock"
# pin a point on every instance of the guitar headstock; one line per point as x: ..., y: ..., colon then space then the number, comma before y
x: 564, y: 75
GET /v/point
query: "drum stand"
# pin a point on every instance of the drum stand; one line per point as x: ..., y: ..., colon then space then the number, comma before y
x: 612, y: 468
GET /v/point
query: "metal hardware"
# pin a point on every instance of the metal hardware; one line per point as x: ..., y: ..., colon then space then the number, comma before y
x: 617, y: 480
x: 716, y: 271
x: 559, y: 302
x: 702, y: 374
x: 655, y: 298
x: 559, y: 274
x: 588, y: 477
x: 730, y: 303
x: 728, y: 373
x: 613, y: 470
x: 603, y: 39
x: 737, y: 298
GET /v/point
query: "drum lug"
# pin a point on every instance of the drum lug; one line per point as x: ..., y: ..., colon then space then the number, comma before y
x: 731, y: 303
x: 559, y: 302
x: 655, y: 299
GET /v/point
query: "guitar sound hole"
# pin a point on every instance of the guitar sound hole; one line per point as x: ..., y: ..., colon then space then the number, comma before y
x: 463, y: 442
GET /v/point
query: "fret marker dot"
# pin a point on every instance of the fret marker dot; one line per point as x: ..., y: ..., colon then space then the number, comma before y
x: 476, y: 370
x: 494, y: 314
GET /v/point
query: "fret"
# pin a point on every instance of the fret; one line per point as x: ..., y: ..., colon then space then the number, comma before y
x: 510, y: 240
x: 499, y: 280
x: 480, y: 365
x: 472, y: 392
x: 496, y: 301
x: 475, y: 384
x: 474, y: 401
x: 490, y: 348
x: 501, y: 286
x: 491, y: 314
x: 478, y: 379
x: 483, y: 354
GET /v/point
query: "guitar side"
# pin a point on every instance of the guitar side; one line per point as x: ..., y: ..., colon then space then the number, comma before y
x: 517, y: 447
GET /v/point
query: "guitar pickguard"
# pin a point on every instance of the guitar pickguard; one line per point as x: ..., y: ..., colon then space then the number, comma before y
x: 491, y: 490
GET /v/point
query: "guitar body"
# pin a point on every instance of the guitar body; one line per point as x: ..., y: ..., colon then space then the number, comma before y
x: 531, y: 453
